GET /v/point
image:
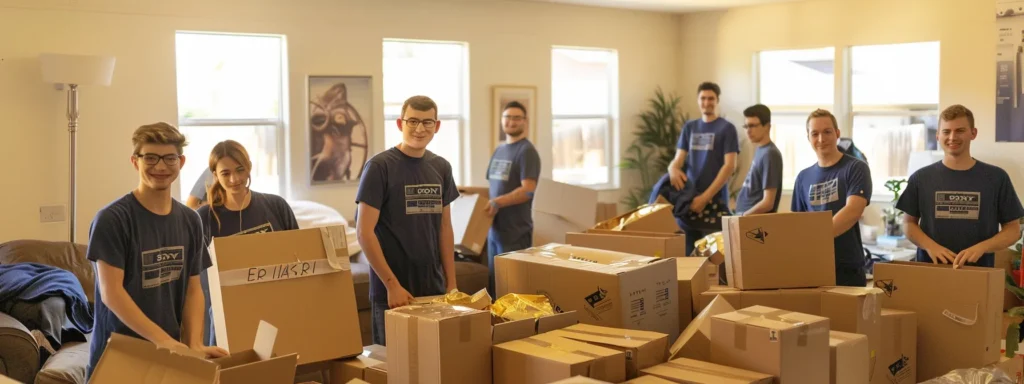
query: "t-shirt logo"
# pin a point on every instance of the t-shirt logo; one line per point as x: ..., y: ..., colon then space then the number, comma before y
x: 423, y: 198
x: 262, y: 228
x: 824, y: 193
x: 162, y: 265
x: 500, y: 170
x: 957, y: 205
x: 702, y: 142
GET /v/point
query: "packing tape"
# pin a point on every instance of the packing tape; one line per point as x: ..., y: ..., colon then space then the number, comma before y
x: 267, y: 273
x: 960, y: 319
x: 596, y: 370
x: 334, y: 239
x: 625, y: 337
x: 776, y: 315
x: 412, y: 322
x: 706, y: 371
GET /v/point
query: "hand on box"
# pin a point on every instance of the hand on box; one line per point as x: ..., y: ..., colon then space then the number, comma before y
x: 172, y: 344
x: 398, y: 296
x: 969, y: 255
x: 211, y: 352
x: 677, y: 178
x: 492, y: 208
x: 699, y: 203
x: 941, y: 255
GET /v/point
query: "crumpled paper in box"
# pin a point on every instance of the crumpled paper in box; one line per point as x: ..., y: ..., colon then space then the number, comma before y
x: 514, y: 306
x: 620, y: 223
x: 711, y: 246
x: 479, y: 301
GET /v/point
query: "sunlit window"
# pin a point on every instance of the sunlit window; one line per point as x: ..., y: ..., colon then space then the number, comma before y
x: 584, y: 89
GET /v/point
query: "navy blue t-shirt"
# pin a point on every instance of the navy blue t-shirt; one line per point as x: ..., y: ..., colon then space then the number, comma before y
x: 959, y: 209
x: 510, y: 164
x: 826, y: 189
x: 706, y: 145
x: 765, y: 173
x: 158, y: 253
x: 411, y: 194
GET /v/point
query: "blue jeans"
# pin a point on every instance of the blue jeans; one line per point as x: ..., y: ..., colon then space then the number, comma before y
x: 209, y: 335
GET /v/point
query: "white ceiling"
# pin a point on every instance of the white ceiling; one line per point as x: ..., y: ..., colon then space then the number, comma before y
x: 679, y: 6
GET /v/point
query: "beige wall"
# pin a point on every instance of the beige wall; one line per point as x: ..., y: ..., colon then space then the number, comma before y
x: 720, y: 46
x: 509, y: 43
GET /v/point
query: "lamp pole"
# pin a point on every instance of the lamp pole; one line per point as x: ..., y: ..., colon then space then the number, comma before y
x: 72, y: 116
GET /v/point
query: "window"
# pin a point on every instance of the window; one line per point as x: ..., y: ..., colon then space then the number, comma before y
x: 584, y: 105
x: 793, y: 83
x: 438, y: 70
x: 231, y: 86
x: 895, y: 97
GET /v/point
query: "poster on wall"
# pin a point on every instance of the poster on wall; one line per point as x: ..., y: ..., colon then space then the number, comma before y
x: 339, y: 114
x: 504, y: 94
x: 1010, y: 71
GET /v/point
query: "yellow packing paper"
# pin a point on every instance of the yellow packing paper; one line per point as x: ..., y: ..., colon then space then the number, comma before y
x: 479, y: 301
x: 620, y: 223
x: 711, y: 246
x: 514, y: 306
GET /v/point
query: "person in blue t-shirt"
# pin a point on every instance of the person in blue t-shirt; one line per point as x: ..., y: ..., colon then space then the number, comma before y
x: 234, y: 209
x: 197, y: 196
x: 705, y: 155
x: 760, y: 191
x: 960, y: 210
x: 148, y: 251
x: 512, y: 172
x: 404, y: 223
x: 838, y: 183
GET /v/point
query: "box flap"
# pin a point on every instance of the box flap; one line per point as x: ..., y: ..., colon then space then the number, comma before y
x: 575, y: 204
x: 770, y: 318
x: 513, y: 330
x: 264, y: 343
x: 557, y: 321
x: 610, y: 336
x: 700, y: 328
x: 434, y: 311
x: 596, y: 260
x: 658, y: 235
x: 128, y: 359
x: 836, y: 338
x: 688, y: 267
x: 690, y: 370
x: 556, y: 348
x: 852, y: 291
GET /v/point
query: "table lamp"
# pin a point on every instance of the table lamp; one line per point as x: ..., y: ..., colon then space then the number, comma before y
x: 75, y: 70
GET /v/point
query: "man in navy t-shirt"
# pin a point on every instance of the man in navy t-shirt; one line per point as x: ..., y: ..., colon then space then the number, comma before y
x: 760, y: 191
x: 404, y: 222
x: 960, y: 210
x: 838, y: 183
x: 148, y: 251
x: 705, y: 155
x: 512, y: 173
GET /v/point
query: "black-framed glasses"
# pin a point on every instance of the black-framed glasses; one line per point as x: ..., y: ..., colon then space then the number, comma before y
x: 748, y: 126
x: 413, y: 123
x: 513, y: 118
x: 151, y: 159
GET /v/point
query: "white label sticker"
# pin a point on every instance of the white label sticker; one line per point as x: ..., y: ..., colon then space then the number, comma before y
x: 277, y: 272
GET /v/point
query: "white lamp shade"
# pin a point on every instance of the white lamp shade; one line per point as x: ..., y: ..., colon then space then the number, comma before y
x: 77, y: 69
x: 922, y: 159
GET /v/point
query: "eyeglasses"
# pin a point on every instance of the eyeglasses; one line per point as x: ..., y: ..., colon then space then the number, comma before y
x: 151, y: 159
x: 748, y: 126
x: 413, y: 123
x: 513, y: 118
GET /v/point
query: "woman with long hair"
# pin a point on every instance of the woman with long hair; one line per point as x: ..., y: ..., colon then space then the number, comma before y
x: 235, y: 209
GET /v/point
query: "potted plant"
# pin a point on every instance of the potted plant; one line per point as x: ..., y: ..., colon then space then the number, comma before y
x: 1012, y: 282
x: 892, y: 217
x: 653, y: 146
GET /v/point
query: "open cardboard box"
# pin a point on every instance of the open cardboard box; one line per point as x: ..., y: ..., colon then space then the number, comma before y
x: 131, y: 360
x: 470, y: 222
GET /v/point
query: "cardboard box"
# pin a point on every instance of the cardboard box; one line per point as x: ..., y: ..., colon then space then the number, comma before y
x: 959, y: 312
x: 695, y: 341
x: 606, y: 288
x: 648, y: 379
x: 1012, y: 367
x: 298, y: 280
x: 695, y: 276
x: 258, y: 364
x: 544, y: 358
x: 521, y: 329
x: 803, y: 300
x: 606, y: 211
x: 638, y: 243
x: 1004, y: 260
x: 580, y: 380
x: 896, y: 362
x: 642, y: 348
x: 646, y: 218
x: 358, y: 368
x: 559, y: 208
x: 470, y: 222
x: 849, y: 358
x: 702, y: 372
x: 779, y: 250
x: 438, y: 343
x: 791, y: 346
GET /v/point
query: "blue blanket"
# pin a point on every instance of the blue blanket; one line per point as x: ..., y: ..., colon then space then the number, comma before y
x: 710, y: 220
x: 34, y: 282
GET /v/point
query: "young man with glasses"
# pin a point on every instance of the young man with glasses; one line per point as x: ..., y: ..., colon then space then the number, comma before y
x: 760, y: 191
x: 148, y: 251
x: 512, y: 173
x: 404, y: 223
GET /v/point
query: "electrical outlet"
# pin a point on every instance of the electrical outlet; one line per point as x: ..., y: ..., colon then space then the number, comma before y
x: 51, y: 213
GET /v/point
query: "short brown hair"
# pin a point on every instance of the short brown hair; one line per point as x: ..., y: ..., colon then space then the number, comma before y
x: 159, y: 133
x: 821, y: 113
x: 420, y: 103
x: 957, y: 111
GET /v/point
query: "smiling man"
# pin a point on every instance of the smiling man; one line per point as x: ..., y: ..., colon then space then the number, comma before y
x: 960, y: 210
x: 148, y: 251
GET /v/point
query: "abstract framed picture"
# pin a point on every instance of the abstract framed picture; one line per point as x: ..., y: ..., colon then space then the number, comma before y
x: 339, y: 122
x: 504, y: 94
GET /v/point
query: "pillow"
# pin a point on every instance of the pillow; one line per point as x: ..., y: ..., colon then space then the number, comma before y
x: 310, y: 214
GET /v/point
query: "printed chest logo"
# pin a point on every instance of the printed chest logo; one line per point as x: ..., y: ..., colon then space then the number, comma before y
x: 423, y: 199
x: 957, y: 205
x: 262, y: 228
x: 500, y: 170
x: 824, y: 193
x: 162, y: 265
x: 702, y: 142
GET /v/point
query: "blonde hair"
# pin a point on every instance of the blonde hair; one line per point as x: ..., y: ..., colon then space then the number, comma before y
x: 957, y: 111
x: 821, y: 113
x: 215, y: 192
x: 159, y: 133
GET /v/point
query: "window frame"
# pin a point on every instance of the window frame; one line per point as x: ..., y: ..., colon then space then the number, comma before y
x: 280, y: 124
x: 612, y: 137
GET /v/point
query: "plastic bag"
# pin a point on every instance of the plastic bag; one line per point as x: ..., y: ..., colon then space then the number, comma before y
x: 987, y: 375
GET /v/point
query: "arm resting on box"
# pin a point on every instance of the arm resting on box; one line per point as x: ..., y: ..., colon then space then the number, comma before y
x: 447, y: 243
x: 519, y: 195
x: 111, y: 282
x: 847, y: 217
x: 192, y: 320
x: 766, y: 203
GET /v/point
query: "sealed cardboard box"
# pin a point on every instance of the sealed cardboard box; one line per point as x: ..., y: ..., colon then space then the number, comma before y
x: 958, y: 320
x: 642, y: 348
x: 544, y: 358
x: 298, y: 280
x: 695, y: 341
x: 606, y: 211
x: 606, y: 288
x: 792, y: 346
x: 559, y: 208
x: 638, y: 243
x: 506, y: 331
x: 648, y: 379
x: 695, y: 276
x: 259, y: 364
x: 849, y: 359
x: 580, y: 380
x: 856, y: 310
x: 358, y: 368
x: 803, y: 300
x: 438, y: 343
x: 896, y: 362
x: 646, y: 218
x: 470, y: 222
x: 702, y: 372
x: 779, y: 250
x: 130, y: 360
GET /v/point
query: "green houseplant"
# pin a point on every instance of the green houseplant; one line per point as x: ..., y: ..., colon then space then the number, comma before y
x: 891, y: 216
x: 653, y: 146
x: 1016, y: 313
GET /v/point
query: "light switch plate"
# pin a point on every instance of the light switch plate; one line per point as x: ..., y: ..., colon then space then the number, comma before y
x: 51, y: 213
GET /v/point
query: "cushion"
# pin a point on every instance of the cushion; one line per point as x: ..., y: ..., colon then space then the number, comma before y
x: 19, y: 352
x: 67, y: 366
x: 310, y: 214
x: 60, y: 254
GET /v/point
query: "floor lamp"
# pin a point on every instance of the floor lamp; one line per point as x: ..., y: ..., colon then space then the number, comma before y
x: 75, y: 70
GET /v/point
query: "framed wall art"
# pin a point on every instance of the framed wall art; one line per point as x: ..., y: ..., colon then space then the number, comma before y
x: 339, y: 122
